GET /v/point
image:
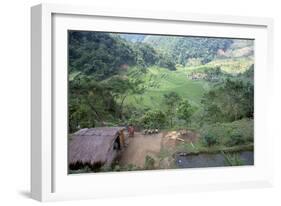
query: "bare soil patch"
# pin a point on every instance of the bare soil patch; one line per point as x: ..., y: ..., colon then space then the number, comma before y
x: 159, y: 146
x: 139, y: 147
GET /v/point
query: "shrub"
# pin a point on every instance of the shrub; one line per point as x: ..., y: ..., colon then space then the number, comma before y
x: 232, y: 159
x: 130, y: 167
x: 149, y: 163
x: 209, y: 140
x: 153, y: 119
x: 236, y: 138
x: 117, y: 168
x: 107, y: 168
x: 224, y: 132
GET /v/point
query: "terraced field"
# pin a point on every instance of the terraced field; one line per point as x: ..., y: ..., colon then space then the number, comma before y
x: 230, y: 66
x: 161, y: 81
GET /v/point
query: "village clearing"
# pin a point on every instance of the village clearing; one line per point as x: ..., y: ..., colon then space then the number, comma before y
x: 154, y: 145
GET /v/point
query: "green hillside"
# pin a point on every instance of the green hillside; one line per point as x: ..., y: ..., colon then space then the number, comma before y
x: 167, y: 81
x: 234, y: 65
x: 228, y: 65
x: 182, y: 49
x: 233, y: 55
x: 115, y: 78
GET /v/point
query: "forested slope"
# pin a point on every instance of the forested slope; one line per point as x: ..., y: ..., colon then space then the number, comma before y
x: 118, y: 79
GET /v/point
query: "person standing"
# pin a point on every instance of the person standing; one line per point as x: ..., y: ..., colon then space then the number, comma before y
x: 131, y: 131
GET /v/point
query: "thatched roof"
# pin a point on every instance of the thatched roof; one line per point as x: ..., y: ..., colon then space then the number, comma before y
x: 90, y: 146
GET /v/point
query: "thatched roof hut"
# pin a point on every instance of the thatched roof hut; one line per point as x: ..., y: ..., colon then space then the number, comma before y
x: 95, y: 146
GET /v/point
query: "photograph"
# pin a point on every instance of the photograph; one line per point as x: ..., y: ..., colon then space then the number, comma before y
x: 139, y: 102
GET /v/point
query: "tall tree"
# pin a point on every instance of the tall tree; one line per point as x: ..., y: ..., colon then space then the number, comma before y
x: 185, y: 111
x: 121, y: 86
x: 171, y: 101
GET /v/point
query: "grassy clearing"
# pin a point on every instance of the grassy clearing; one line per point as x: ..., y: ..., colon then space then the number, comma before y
x: 160, y: 81
x: 230, y: 66
x: 233, y: 66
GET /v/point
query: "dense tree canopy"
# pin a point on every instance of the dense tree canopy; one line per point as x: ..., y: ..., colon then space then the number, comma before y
x: 182, y: 49
x: 232, y: 100
x: 98, y: 54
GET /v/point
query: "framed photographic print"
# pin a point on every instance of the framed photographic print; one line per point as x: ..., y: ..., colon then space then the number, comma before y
x: 137, y: 102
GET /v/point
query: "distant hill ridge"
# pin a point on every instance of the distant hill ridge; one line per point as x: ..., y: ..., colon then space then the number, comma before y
x: 185, y: 49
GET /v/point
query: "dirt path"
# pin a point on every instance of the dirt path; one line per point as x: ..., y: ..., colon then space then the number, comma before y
x: 139, y: 146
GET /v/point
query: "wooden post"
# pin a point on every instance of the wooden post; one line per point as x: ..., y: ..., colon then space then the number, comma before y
x: 122, y: 138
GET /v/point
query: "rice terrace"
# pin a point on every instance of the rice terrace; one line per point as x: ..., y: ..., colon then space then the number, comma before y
x: 148, y: 102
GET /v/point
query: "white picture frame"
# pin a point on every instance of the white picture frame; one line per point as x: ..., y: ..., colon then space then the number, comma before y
x: 49, y: 181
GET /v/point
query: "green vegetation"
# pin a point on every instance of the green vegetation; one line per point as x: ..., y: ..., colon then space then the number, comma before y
x: 232, y: 159
x: 232, y: 66
x: 160, y: 81
x: 182, y: 49
x: 230, y: 101
x: 104, y: 70
x: 230, y: 133
x: 171, y: 100
x: 209, y: 140
x: 153, y: 119
x: 201, y: 148
x: 149, y: 163
x: 185, y: 111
